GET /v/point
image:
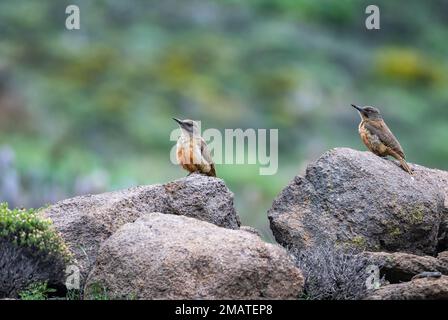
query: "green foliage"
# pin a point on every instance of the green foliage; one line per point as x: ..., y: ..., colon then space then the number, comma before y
x: 73, y: 294
x: 407, y: 66
x: 25, y: 228
x: 98, y: 292
x: 36, y: 291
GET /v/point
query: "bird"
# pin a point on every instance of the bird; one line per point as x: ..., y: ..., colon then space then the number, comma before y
x: 191, y: 151
x: 377, y: 136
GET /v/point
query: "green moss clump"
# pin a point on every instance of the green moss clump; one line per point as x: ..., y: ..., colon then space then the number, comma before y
x: 359, y: 242
x: 395, y: 231
x: 24, y: 228
x: 417, y: 215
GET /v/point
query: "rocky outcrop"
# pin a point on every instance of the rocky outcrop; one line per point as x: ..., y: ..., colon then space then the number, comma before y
x: 86, y: 221
x: 178, y: 240
x: 360, y: 199
x: 163, y: 256
x: 398, y: 266
x: 418, y: 289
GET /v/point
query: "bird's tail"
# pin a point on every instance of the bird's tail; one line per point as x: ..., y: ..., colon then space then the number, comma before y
x: 405, y: 166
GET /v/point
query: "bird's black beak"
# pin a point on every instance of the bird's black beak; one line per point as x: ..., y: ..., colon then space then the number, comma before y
x: 178, y: 121
x: 357, y: 108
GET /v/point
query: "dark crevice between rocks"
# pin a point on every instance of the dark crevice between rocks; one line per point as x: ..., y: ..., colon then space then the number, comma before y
x: 442, y: 236
x: 395, y: 276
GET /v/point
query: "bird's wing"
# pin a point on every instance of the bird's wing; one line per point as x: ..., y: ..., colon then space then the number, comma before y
x: 208, y: 158
x: 205, y: 152
x: 382, y: 131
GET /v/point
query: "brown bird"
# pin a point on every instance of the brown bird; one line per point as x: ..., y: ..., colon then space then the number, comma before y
x: 192, y: 151
x: 377, y: 136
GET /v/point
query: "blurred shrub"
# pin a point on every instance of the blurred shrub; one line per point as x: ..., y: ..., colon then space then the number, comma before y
x: 407, y: 66
x: 325, y: 11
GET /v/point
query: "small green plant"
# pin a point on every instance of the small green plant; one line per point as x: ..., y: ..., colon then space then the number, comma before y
x: 98, y: 292
x: 73, y: 294
x: 31, y: 252
x: 36, y: 291
x: 25, y: 228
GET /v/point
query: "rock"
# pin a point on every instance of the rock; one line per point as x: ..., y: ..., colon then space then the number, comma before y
x: 251, y: 230
x: 162, y: 256
x: 357, y: 198
x: 398, y: 266
x: 418, y: 289
x: 86, y: 221
x: 443, y: 257
x: 441, y: 180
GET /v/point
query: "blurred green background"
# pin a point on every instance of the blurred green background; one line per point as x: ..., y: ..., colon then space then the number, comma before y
x: 90, y: 111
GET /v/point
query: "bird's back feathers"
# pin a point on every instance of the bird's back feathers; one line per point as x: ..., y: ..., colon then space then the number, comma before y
x: 382, y: 131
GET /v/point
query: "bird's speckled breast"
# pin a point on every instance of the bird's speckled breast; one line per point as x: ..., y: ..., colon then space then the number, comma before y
x: 189, y: 155
x: 372, y: 142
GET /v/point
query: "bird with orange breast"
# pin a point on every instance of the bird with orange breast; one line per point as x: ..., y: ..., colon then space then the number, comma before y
x: 377, y: 136
x: 192, y: 152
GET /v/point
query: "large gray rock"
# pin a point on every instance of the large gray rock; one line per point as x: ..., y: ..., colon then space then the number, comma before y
x: 358, y: 198
x: 398, y: 266
x: 418, y: 289
x: 86, y: 221
x: 164, y: 256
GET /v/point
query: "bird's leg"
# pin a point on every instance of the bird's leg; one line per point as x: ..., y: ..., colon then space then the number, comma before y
x: 192, y: 172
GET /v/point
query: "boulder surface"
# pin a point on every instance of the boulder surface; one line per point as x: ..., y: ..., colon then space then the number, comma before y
x: 357, y: 198
x: 163, y: 256
x: 399, y: 266
x: 86, y: 221
x: 418, y: 289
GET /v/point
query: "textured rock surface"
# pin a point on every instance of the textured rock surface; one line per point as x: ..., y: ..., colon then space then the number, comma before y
x: 399, y: 266
x: 418, y: 289
x: 86, y: 221
x: 251, y: 230
x: 358, y: 198
x: 164, y: 256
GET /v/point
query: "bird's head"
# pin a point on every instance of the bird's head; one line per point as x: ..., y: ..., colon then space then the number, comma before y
x: 368, y: 112
x: 188, y: 126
